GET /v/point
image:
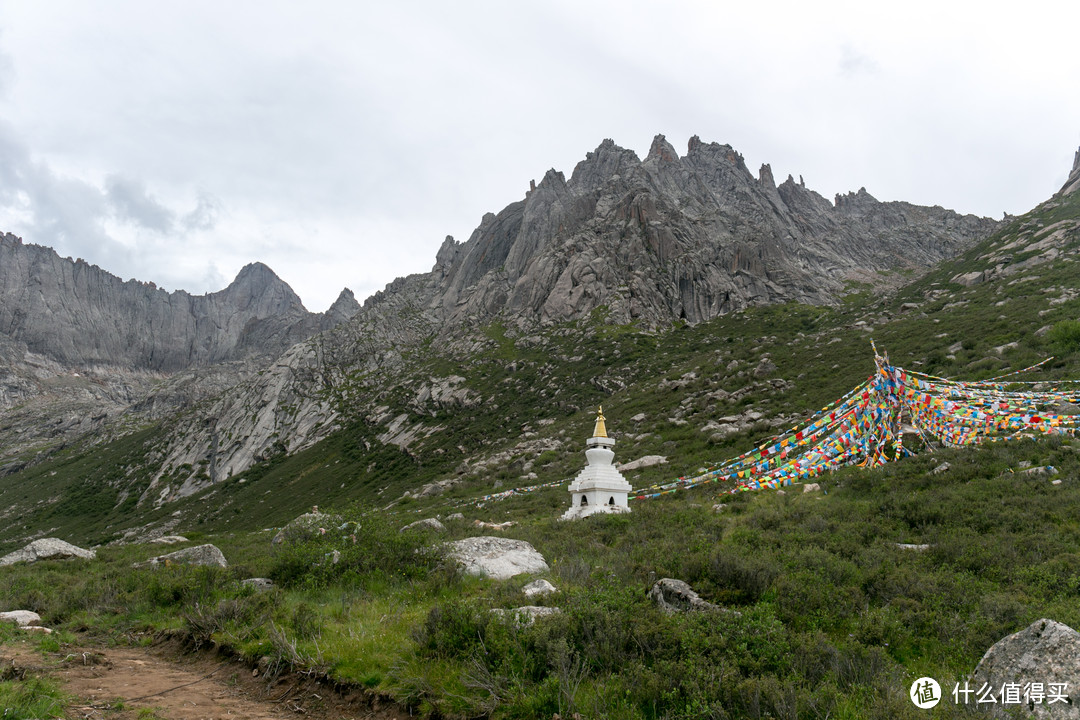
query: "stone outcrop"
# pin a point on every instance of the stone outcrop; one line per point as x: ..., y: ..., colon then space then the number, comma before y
x: 207, y: 555
x: 22, y: 618
x: 642, y: 462
x: 47, y: 549
x: 672, y: 596
x: 527, y: 615
x: 496, y: 557
x: 1044, y: 652
x: 539, y: 588
x: 1073, y: 183
x: 306, y: 527
x: 432, y: 524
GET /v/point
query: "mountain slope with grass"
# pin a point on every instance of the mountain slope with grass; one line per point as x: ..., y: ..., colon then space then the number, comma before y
x: 626, y: 242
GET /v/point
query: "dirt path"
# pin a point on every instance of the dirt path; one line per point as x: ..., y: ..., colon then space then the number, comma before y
x: 118, y: 683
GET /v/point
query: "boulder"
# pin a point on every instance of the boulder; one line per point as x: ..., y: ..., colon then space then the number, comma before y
x: 306, y: 527
x: 425, y: 524
x: 258, y: 583
x: 811, y: 487
x: 432, y: 489
x: 539, y: 588
x: 495, y: 557
x: 45, y: 549
x: 1041, y: 471
x: 207, y: 555
x: 943, y: 467
x: 454, y: 517
x: 22, y: 618
x: 1046, y: 652
x: 673, y: 596
x: 170, y: 539
x: 642, y: 462
x: 527, y: 615
x: 494, y: 526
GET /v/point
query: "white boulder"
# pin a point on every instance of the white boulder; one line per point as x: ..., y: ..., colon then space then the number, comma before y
x: 496, y: 557
x: 44, y: 549
x: 22, y: 618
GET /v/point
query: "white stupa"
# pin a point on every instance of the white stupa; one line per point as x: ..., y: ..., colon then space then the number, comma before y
x: 599, y: 487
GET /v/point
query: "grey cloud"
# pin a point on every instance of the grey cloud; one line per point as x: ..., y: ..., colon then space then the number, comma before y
x: 62, y: 211
x: 131, y: 201
x: 206, y: 214
x: 853, y: 62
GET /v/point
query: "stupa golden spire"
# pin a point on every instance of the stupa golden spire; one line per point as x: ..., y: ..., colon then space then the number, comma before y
x: 600, y: 430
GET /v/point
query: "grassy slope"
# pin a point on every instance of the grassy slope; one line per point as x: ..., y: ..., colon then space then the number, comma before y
x: 835, y: 619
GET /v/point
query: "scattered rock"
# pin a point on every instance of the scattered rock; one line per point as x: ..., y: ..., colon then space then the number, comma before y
x: 811, y: 487
x: 170, y: 539
x: 916, y: 548
x: 1046, y: 652
x: 432, y: 489
x: 22, y: 618
x: 637, y: 418
x: 36, y: 629
x: 943, y: 467
x: 765, y: 368
x: 672, y: 596
x: 494, y: 526
x: 539, y: 588
x: 496, y: 557
x: 1061, y: 407
x: 258, y: 583
x: 45, y: 549
x: 642, y: 462
x: 527, y: 615
x: 455, y: 517
x: 969, y: 279
x: 1041, y: 471
x: 1055, y: 482
x: 306, y: 527
x: 207, y: 555
x: 426, y: 524
x: 718, y: 507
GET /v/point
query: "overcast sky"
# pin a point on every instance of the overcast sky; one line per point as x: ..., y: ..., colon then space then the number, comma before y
x: 340, y: 142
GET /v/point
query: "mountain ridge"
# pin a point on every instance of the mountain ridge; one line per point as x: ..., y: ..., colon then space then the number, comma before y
x: 665, y: 238
x: 82, y: 315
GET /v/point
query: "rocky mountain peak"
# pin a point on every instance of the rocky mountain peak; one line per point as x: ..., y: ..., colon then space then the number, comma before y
x: 662, y: 150
x: 664, y: 238
x: 258, y: 284
x: 1073, y: 183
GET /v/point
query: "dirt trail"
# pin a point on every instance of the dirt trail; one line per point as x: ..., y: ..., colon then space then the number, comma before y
x: 185, y: 687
